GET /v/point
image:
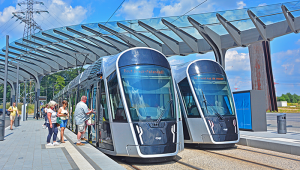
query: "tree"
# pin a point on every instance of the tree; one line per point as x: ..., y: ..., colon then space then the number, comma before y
x: 281, y: 98
x: 286, y: 97
x: 60, y: 83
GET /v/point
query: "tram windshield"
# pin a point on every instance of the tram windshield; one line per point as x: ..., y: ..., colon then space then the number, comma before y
x: 149, y: 92
x: 213, y: 94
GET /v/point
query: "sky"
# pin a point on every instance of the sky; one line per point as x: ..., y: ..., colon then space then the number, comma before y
x: 285, y: 50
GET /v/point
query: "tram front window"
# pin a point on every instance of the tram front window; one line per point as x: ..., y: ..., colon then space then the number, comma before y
x: 213, y: 94
x: 149, y: 92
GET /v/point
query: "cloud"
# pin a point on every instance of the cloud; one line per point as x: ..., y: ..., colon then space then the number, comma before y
x: 180, y: 7
x: 235, y: 61
x: 289, y: 68
x: 175, y: 61
x: 237, y: 83
x: 60, y: 14
x: 241, y: 5
x: 140, y: 9
x: 263, y: 4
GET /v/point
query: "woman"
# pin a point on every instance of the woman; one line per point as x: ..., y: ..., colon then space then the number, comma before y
x: 45, y: 116
x: 51, y: 124
x: 13, y: 113
x: 64, y: 115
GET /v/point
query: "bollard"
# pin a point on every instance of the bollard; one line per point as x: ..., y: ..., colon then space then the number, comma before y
x: 281, y: 123
x: 2, y: 130
x: 17, y: 121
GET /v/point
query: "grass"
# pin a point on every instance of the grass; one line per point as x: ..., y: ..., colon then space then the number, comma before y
x: 289, y: 109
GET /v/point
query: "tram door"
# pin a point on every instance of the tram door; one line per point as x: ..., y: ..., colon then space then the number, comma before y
x: 104, y: 137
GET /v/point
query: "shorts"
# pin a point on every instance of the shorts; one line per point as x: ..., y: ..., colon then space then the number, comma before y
x: 64, y: 123
x: 81, y: 127
x: 12, y: 117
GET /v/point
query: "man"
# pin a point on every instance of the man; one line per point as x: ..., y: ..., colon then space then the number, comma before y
x: 81, y: 115
x: 13, y: 113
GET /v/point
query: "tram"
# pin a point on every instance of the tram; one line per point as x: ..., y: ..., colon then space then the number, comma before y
x: 208, y: 111
x: 136, y: 103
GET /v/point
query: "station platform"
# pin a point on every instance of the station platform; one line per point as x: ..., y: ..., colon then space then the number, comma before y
x: 25, y: 148
x: 271, y: 140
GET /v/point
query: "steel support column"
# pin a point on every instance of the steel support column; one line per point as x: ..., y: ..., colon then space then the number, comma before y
x: 213, y: 39
x: 37, y: 95
x: 2, y: 133
x: 17, y: 86
x: 261, y: 72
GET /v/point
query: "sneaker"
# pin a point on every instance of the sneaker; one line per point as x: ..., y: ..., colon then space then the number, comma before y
x: 49, y: 144
x: 55, y: 144
x: 79, y: 144
x: 83, y: 139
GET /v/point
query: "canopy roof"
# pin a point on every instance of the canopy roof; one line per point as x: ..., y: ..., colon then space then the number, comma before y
x: 61, y: 48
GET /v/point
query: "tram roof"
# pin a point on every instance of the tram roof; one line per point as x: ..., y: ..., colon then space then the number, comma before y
x: 61, y: 48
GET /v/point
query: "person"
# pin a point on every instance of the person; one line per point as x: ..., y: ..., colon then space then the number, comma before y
x: 13, y: 113
x: 45, y: 116
x: 42, y: 111
x: 56, y: 110
x: 81, y: 115
x: 63, y: 114
x: 37, y: 115
x: 51, y: 124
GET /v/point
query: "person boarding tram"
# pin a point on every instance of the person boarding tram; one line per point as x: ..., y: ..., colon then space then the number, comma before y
x: 81, y: 115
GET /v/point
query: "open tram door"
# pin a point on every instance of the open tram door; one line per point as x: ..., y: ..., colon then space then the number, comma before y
x: 104, y: 138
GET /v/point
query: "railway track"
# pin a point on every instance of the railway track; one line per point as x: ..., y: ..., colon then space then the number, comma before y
x: 240, y: 157
x: 244, y: 160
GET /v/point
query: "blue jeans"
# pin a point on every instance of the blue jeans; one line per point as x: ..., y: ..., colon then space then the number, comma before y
x: 46, y: 118
x: 52, y: 131
x: 64, y: 123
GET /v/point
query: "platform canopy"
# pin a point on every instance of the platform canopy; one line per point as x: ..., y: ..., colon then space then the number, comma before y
x: 66, y: 47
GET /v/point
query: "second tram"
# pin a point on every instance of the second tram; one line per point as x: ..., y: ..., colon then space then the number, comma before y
x: 209, y: 115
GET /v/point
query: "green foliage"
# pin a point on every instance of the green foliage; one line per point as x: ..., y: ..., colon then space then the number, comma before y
x: 290, y: 98
x: 56, y: 82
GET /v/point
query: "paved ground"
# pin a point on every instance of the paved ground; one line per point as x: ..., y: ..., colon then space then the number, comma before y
x: 24, y: 148
x: 293, y: 122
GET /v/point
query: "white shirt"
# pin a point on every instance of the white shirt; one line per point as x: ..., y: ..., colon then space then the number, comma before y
x: 53, y: 115
x: 65, y: 115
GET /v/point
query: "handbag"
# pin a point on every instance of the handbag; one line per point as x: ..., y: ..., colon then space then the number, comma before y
x: 91, y: 120
x: 58, y: 120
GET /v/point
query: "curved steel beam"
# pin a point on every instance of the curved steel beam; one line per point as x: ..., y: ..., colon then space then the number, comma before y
x: 129, y: 41
x: 117, y: 44
x: 104, y: 46
x: 96, y: 50
x: 148, y: 41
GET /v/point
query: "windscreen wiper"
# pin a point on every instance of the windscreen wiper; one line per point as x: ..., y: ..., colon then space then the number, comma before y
x: 205, y: 101
x: 170, y: 103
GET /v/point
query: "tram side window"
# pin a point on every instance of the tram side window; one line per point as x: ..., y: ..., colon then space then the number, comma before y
x: 116, y: 104
x: 188, y: 99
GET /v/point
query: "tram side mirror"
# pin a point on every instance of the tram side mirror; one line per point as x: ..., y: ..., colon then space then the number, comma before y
x: 99, y: 74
